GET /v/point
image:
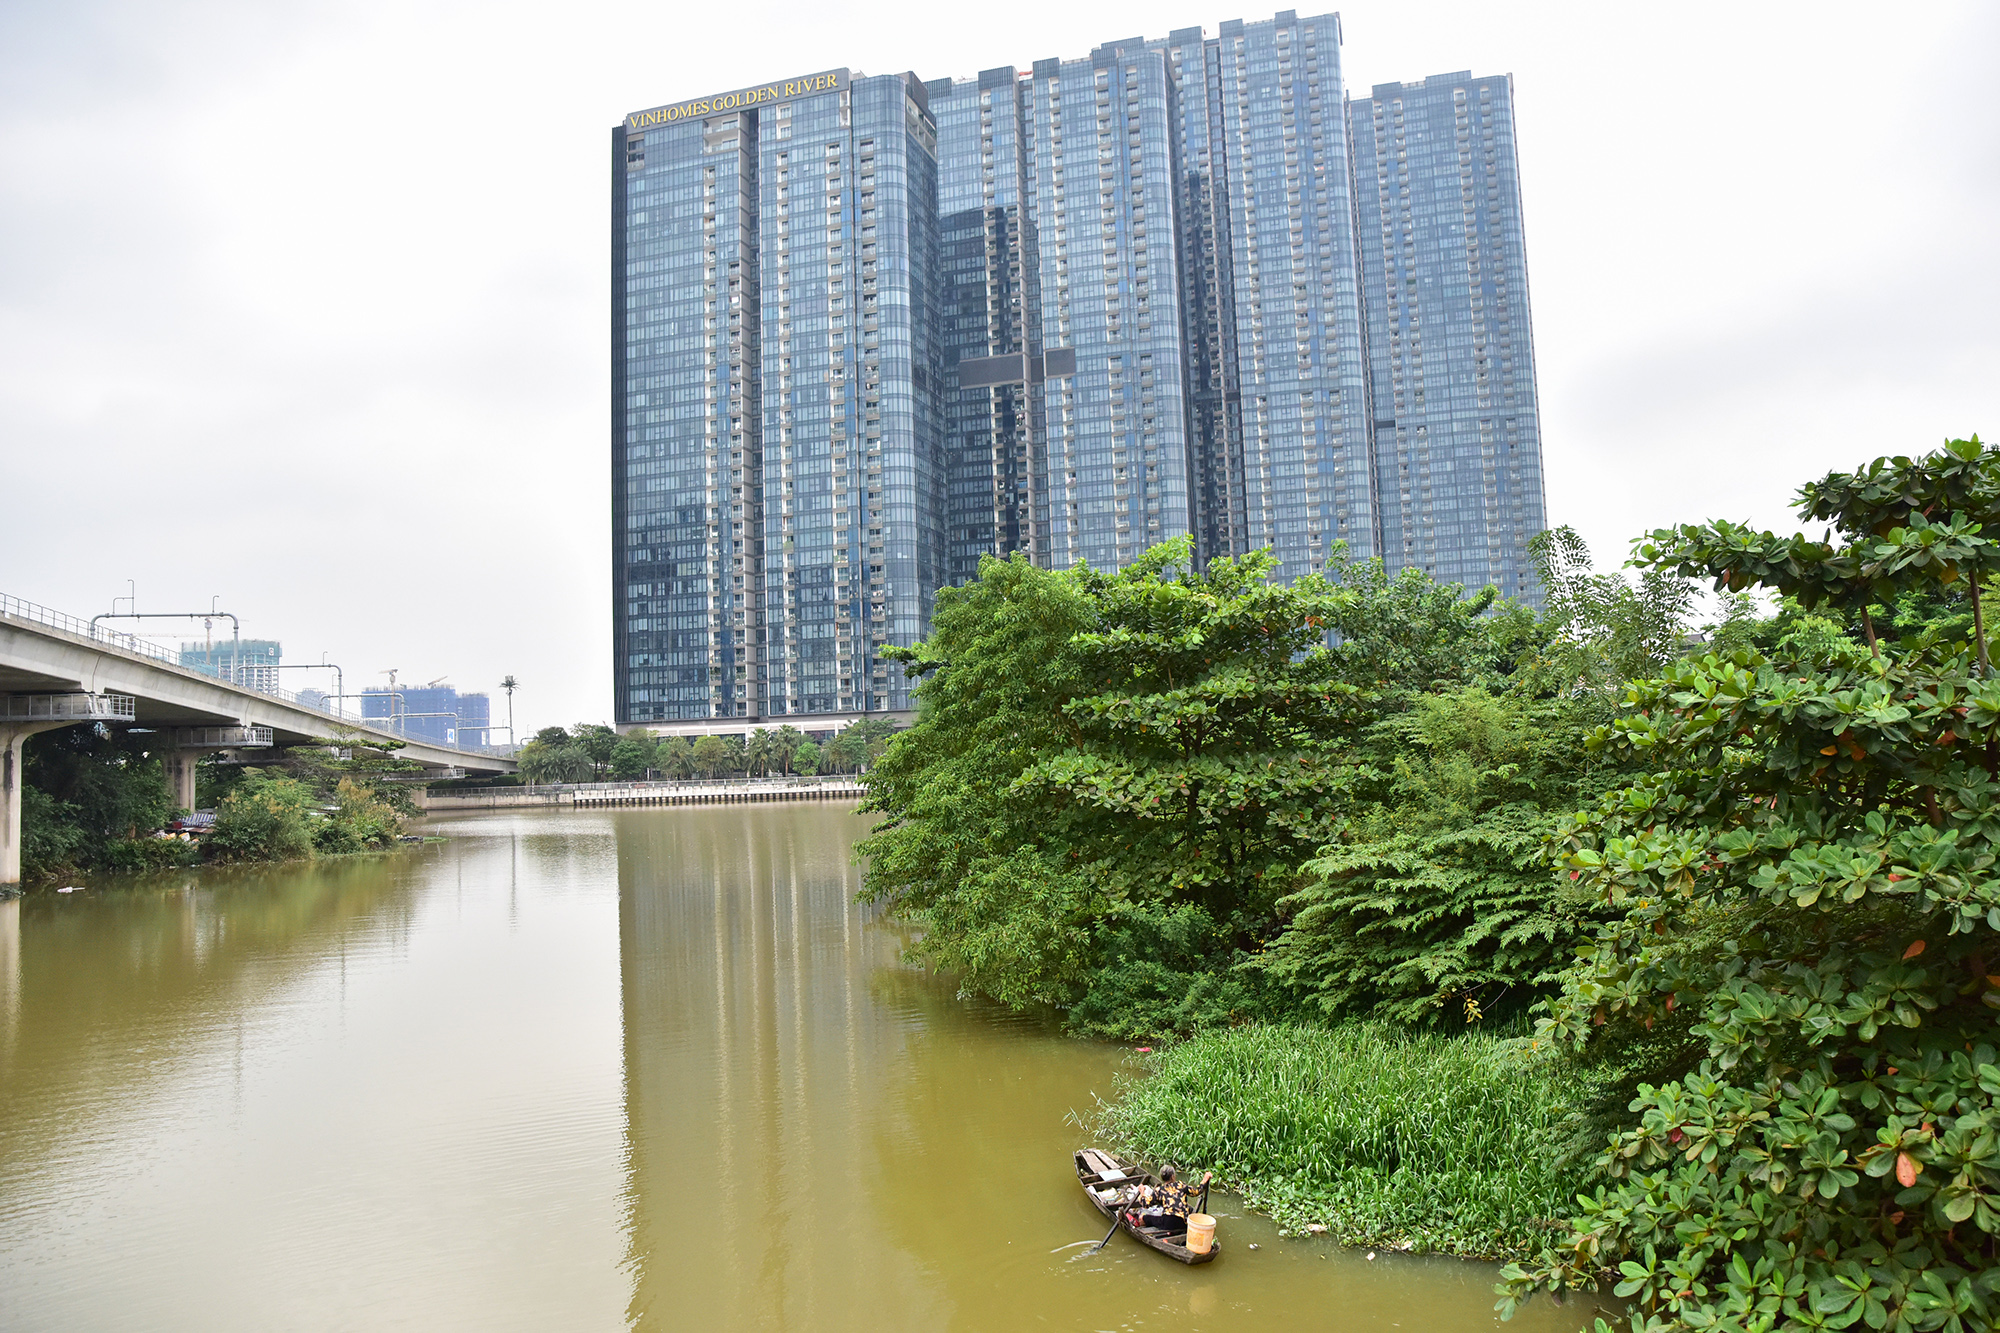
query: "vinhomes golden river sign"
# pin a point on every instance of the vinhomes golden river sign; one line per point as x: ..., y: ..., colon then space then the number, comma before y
x: 762, y: 94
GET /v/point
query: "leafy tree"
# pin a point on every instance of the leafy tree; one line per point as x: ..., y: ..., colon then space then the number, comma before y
x: 118, y: 790
x: 1195, y: 770
x: 1802, y: 888
x: 372, y: 766
x: 846, y: 752
x: 1150, y: 754
x: 674, y: 757
x: 631, y: 757
x: 1437, y: 901
x: 596, y: 741
x: 712, y: 757
x: 806, y: 758
x: 860, y: 744
x: 553, y: 736
x: 1603, y: 629
x: 1404, y: 633
x: 543, y: 761
x: 51, y: 836
x: 101, y: 790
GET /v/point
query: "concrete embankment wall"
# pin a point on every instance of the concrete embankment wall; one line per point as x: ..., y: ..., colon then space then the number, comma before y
x: 653, y: 795
x: 497, y: 798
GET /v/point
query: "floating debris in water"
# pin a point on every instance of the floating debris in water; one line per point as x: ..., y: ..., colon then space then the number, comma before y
x: 73, y: 888
x: 1371, y: 1256
x: 1145, y: 1050
x: 1256, y: 1247
x: 1316, y: 1228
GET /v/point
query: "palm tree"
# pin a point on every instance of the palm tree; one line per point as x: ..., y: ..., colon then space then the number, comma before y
x: 509, y: 685
x: 760, y: 751
x: 784, y: 745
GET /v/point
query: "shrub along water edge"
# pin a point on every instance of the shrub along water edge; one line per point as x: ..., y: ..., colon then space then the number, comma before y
x: 1462, y: 1145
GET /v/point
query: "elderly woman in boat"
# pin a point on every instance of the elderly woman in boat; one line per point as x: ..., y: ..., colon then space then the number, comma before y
x: 1168, y: 1204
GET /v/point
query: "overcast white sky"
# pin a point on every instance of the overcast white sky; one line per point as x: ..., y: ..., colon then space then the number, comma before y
x: 306, y: 304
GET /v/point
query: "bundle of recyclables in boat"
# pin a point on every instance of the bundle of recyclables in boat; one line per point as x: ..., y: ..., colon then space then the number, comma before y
x: 1110, y: 1181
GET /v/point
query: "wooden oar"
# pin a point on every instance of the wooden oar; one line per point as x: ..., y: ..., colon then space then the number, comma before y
x: 1117, y: 1216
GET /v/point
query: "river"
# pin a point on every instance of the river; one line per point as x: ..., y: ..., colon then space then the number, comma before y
x: 591, y: 1070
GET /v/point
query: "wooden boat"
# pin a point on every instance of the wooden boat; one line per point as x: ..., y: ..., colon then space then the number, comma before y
x: 1105, y: 1178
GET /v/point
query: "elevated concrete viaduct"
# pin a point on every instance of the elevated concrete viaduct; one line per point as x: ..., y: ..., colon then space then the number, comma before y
x: 56, y: 671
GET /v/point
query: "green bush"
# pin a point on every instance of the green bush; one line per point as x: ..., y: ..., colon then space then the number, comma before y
x: 366, y: 816
x: 1161, y: 969
x: 151, y: 854
x: 334, y: 838
x: 50, y: 835
x: 1462, y: 1144
x: 265, y: 818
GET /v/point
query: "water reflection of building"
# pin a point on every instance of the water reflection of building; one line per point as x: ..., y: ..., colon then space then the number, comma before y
x: 830, y: 1137
x: 752, y: 1077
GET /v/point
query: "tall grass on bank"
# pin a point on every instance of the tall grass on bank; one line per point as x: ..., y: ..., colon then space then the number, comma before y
x: 1458, y: 1144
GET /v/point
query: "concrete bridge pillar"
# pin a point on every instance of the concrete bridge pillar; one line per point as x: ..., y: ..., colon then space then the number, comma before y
x: 180, y: 776
x: 184, y: 747
x: 14, y: 735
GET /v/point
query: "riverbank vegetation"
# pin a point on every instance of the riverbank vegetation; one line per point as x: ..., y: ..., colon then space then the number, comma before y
x: 1740, y: 880
x: 591, y: 752
x: 98, y: 801
x: 1382, y: 1135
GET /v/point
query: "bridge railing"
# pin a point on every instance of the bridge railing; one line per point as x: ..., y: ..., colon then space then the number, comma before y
x: 20, y: 609
x: 42, y: 615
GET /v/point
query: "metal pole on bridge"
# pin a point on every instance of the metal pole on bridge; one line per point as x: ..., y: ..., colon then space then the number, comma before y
x: 236, y: 629
x: 338, y: 679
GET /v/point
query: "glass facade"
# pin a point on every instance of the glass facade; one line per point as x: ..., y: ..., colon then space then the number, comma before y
x: 777, y: 463
x: 868, y: 330
x: 1457, y: 428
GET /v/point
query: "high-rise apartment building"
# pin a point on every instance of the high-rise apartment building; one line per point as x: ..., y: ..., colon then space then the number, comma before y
x: 249, y: 662
x: 1458, y: 443
x: 776, y: 467
x: 435, y: 713
x: 867, y: 330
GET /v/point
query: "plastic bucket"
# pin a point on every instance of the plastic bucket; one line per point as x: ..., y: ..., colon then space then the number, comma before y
x: 1200, y: 1233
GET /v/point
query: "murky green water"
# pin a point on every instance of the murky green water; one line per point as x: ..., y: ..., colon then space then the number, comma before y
x: 582, y: 1071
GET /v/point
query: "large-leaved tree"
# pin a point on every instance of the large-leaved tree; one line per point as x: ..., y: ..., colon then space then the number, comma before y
x: 1803, y: 899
